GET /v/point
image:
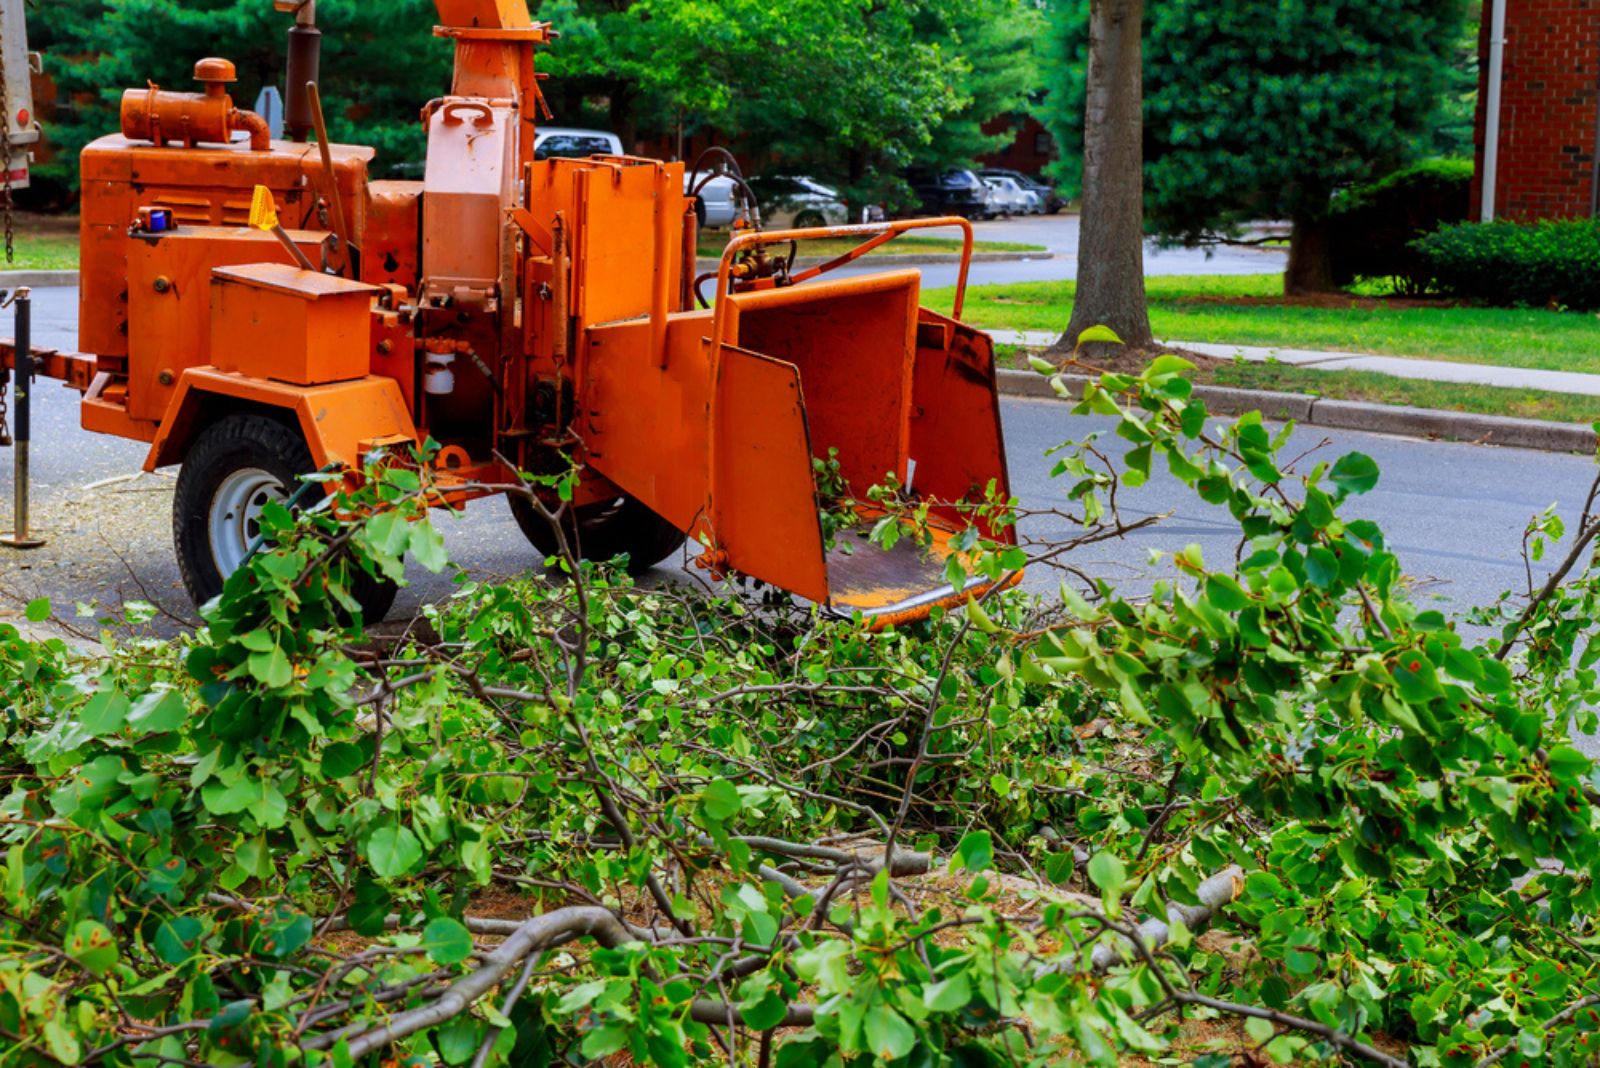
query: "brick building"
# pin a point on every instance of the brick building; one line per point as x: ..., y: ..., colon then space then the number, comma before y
x: 1549, y: 159
x: 1031, y: 145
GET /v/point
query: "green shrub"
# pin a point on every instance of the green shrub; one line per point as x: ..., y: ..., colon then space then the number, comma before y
x: 1374, y: 224
x: 1519, y: 264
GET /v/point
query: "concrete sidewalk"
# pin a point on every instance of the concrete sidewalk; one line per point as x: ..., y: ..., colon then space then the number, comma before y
x: 1398, y: 366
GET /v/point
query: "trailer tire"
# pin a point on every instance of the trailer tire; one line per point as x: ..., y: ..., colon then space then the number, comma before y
x: 603, y: 531
x: 234, y: 466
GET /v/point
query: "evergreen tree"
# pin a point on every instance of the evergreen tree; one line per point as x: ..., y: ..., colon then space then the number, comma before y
x: 1264, y: 108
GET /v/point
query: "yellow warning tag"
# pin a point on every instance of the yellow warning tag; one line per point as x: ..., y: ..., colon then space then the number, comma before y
x: 263, y: 210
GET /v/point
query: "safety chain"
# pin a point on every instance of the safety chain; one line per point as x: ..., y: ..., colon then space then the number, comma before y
x: 5, y: 164
x: 5, y: 431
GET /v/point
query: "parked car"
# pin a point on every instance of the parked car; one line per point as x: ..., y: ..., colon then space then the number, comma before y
x: 715, y: 209
x: 1050, y: 200
x: 952, y: 192
x: 799, y: 202
x: 1009, y: 198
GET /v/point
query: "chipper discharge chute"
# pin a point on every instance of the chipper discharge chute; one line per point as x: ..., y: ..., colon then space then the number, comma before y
x: 523, y: 314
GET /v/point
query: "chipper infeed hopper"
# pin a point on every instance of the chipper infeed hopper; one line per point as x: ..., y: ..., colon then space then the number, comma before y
x: 727, y: 415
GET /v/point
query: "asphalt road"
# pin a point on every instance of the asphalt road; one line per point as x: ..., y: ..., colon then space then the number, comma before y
x: 1059, y: 234
x: 1454, y: 512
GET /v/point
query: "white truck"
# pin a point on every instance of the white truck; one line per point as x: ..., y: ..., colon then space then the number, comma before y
x: 16, y: 95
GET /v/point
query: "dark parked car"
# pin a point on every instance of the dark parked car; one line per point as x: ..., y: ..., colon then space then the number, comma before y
x: 953, y: 192
x: 1053, y: 201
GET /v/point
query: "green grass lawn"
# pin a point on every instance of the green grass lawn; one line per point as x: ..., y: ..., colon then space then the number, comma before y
x: 1378, y: 388
x: 713, y: 242
x: 43, y: 252
x: 1198, y: 309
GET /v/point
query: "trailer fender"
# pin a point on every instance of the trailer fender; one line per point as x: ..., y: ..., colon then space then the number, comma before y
x: 342, y: 421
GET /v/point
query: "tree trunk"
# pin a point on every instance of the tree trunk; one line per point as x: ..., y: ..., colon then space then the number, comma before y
x: 1310, y: 259
x: 1111, y: 235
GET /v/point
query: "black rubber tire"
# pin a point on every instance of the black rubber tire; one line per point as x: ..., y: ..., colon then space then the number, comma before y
x: 809, y: 220
x: 245, y: 439
x: 603, y: 531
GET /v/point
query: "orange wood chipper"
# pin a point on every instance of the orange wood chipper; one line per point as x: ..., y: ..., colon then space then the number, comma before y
x: 519, y: 313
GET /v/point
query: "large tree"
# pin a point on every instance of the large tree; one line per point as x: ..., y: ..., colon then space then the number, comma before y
x: 844, y: 89
x: 1110, y: 288
x: 1265, y: 108
x: 847, y: 89
x: 380, y: 63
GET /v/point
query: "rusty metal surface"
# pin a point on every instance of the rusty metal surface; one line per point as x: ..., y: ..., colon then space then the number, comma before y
x: 892, y: 587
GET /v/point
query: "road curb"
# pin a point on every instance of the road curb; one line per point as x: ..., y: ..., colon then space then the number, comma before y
x: 1354, y: 415
x: 13, y: 279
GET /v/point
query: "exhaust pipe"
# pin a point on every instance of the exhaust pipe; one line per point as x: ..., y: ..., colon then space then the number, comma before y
x: 305, y: 62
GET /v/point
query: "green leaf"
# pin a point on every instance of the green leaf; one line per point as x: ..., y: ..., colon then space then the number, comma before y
x: 1322, y: 567
x: 1107, y: 872
x: 764, y: 1013
x: 340, y: 759
x: 1566, y: 762
x: 458, y: 1040
x: 158, y: 713
x: 37, y: 611
x: 1044, y: 367
x: 105, y: 713
x: 427, y: 546
x: 446, y: 940
x: 889, y: 1035
x: 271, y: 668
x: 1167, y: 364
x: 92, y: 946
x: 1354, y: 473
x: 393, y: 851
x: 177, y: 939
x: 1101, y: 334
x: 370, y: 908
x: 976, y: 851
x: 1225, y: 593
x: 604, y: 1042
x: 720, y: 800
x: 950, y: 995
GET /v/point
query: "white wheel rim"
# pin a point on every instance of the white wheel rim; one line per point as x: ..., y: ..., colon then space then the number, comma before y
x: 235, y: 520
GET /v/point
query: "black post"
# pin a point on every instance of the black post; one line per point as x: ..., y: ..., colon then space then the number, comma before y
x: 22, y: 421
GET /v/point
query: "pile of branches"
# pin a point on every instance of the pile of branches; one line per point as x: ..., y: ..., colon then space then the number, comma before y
x: 561, y: 820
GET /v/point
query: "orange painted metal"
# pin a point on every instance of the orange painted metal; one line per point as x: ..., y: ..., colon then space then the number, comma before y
x: 168, y: 287
x: 392, y: 253
x: 281, y: 323
x: 337, y: 419
x: 552, y: 299
x: 191, y: 118
x: 70, y: 369
x: 485, y: 14
x: 206, y: 186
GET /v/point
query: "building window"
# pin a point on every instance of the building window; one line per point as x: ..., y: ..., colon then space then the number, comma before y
x: 1041, y: 144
